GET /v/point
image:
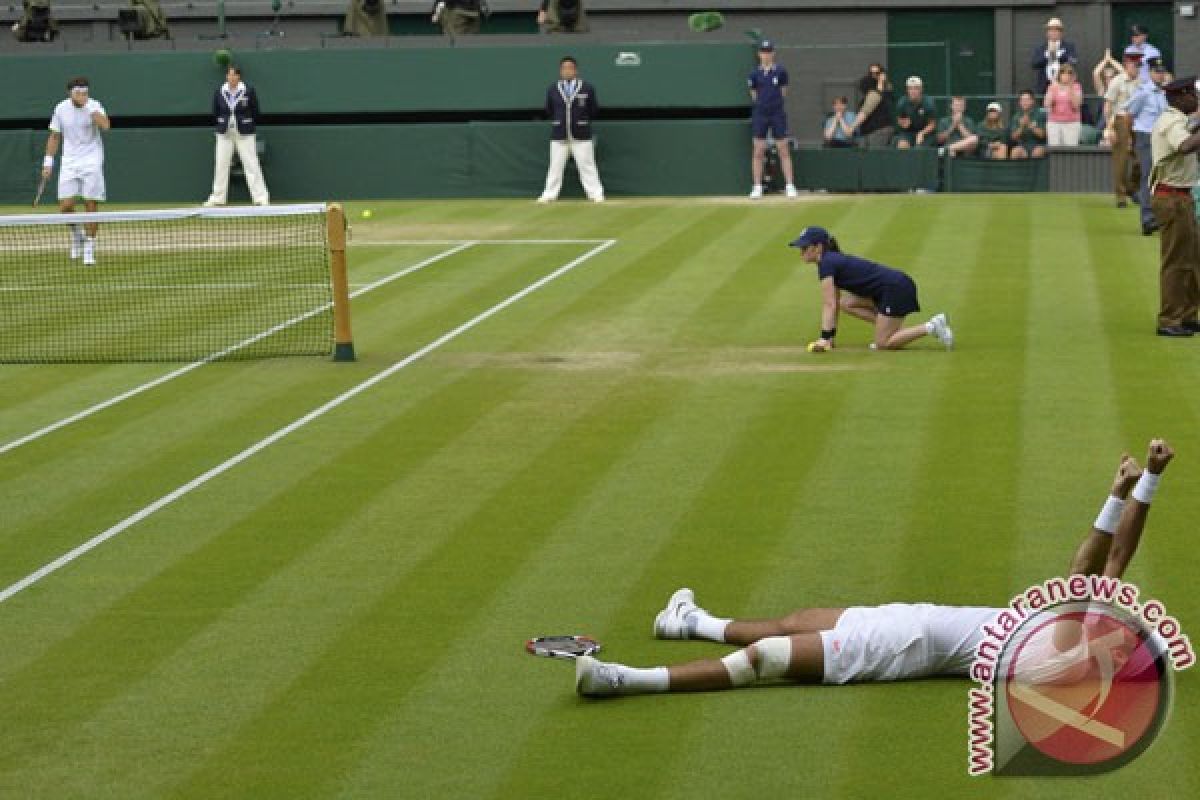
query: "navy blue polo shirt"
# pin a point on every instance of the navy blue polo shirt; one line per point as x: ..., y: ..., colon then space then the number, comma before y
x: 853, y: 274
x: 768, y: 84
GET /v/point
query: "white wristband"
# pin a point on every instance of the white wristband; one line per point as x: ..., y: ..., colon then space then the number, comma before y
x: 1109, y: 516
x: 48, y: 162
x: 1147, y: 485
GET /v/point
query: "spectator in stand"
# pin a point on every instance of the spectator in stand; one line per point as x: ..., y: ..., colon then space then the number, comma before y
x: 1027, y: 131
x: 920, y: 111
x: 840, y: 130
x: 905, y: 136
x: 1052, y: 55
x: 956, y: 133
x: 874, y: 119
x: 1139, y: 36
x: 1118, y: 129
x: 993, y: 134
x: 1064, y: 104
x: 1145, y: 107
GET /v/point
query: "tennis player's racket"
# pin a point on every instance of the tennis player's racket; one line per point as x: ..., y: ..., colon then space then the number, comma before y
x: 562, y: 646
x: 37, y: 198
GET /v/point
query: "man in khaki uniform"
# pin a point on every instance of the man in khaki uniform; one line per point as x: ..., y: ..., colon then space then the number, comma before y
x: 1174, y: 143
x: 1118, y: 129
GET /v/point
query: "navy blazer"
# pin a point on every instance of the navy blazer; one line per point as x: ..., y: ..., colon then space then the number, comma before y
x: 1068, y: 56
x: 246, y: 111
x: 578, y: 118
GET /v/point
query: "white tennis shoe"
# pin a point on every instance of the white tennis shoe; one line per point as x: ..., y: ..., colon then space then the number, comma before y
x: 671, y: 622
x: 939, y: 327
x: 89, y: 252
x: 756, y: 193
x: 595, y: 678
x: 791, y: 191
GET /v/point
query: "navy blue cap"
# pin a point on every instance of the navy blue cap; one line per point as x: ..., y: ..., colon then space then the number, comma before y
x: 1139, y: 30
x: 1181, y: 86
x: 766, y: 45
x: 1156, y: 63
x: 810, y: 236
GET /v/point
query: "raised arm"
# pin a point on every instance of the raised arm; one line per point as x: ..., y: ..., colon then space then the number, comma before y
x: 1133, y: 518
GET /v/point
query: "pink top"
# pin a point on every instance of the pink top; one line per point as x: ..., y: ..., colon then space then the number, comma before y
x: 1058, y: 102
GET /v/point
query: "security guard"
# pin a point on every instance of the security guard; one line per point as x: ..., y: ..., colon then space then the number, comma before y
x: 1118, y: 128
x: 1145, y: 106
x: 1174, y: 144
x: 458, y: 17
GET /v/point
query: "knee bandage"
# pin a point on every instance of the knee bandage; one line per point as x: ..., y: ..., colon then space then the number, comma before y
x: 774, y: 658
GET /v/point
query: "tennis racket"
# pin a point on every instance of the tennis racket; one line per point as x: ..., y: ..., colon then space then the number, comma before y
x: 37, y: 198
x: 562, y: 646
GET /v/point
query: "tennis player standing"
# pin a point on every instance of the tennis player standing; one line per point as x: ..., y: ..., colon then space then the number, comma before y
x: 872, y: 292
x: 76, y: 123
x: 235, y: 111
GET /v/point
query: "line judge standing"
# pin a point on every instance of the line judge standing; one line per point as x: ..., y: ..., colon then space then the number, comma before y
x: 571, y: 105
x: 235, y: 109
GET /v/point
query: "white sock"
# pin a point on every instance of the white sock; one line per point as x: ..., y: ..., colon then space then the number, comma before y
x: 703, y: 625
x: 650, y: 679
x: 1109, y: 516
x: 929, y: 327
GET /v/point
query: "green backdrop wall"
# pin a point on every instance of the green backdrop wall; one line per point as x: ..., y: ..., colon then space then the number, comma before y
x: 386, y: 80
x: 333, y: 162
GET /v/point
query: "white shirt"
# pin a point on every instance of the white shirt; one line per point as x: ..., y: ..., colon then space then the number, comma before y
x: 82, y: 147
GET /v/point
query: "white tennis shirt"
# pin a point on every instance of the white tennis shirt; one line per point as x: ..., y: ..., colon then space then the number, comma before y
x: 82, y: 148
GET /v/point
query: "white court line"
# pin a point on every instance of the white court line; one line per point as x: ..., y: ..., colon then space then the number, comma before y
x: 185, y: 369
x: 406, y: 242
x: 292, y: 427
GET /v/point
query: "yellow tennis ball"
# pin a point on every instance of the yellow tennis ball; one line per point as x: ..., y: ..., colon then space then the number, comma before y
x: 812, y: 347
x: 367, y: 213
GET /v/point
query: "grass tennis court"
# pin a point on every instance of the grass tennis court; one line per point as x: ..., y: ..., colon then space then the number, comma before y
x: 342, y: 613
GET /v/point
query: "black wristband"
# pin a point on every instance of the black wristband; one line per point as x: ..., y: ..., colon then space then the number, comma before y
x: 829, y: 333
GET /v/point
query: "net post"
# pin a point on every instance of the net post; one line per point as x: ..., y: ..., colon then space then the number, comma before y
x: 343, y: 343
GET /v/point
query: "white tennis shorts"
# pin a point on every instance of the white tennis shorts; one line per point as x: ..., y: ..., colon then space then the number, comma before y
x: 901, y: 640
x: 85, y: 182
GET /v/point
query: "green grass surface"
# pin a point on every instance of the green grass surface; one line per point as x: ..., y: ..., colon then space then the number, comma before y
x: 342, y: 614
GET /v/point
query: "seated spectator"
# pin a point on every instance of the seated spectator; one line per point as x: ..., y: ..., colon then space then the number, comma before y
x: 874, y: 121
x: 956, y: 133
x: 993, y: 134
x: 905, y: 137
x: 920, y: 111
x: 839, y: 127
x: 1027, y: 131
x: 1064, y: 104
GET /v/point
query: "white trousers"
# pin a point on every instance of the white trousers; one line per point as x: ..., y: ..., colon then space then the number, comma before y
x: 248, y: 154
x: 585, y: 162
x: 1063, y: 134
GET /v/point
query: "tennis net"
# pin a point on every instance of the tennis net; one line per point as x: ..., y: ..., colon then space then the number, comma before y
x: 173, y: 285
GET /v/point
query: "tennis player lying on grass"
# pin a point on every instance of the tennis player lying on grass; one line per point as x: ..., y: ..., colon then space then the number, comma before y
x: 881, y: 643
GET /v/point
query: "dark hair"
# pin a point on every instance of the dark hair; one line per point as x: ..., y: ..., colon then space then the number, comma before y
x: 74, y: 82
x: 832, y: 245
x: 842, y: 99
x: 1026, y: 91
x: 233, y: 68
x: 565, y: 59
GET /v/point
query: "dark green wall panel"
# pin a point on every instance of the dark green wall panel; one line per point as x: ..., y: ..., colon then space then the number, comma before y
x: 401, y: 79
